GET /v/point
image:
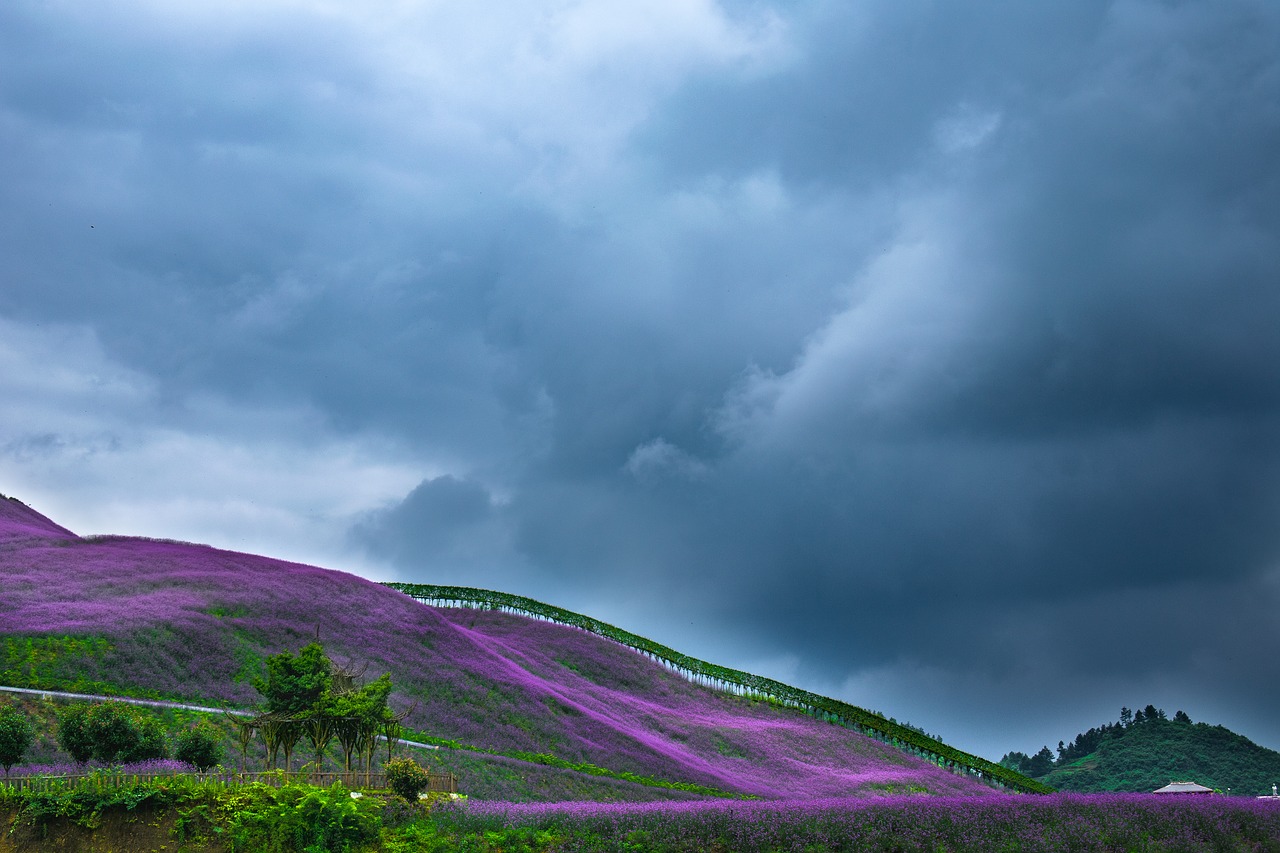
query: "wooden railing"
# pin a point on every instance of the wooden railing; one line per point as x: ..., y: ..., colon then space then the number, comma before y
x: 436, y: 782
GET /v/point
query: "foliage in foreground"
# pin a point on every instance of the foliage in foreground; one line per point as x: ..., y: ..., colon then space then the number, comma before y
x: 254, y: 818
x: 299, y: 817
x: 407, y: 778
x: 1060, y: 822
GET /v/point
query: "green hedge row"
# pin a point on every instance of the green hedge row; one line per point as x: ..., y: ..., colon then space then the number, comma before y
x: 859, y: 719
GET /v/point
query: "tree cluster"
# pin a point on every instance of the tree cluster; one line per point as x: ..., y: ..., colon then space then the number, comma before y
x: 305, y: 696
x: 1085, y: 743
x: 110, y: 733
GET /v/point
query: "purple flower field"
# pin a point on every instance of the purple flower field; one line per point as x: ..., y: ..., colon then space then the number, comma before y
x: 1026, y: 823
x: 141, y: 768
x: 192, y: 622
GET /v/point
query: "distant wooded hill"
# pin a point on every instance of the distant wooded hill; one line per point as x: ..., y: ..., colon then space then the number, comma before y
x: 1146, y: 750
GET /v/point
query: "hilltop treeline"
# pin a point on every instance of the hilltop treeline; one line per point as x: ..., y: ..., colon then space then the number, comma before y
x: 1146, y: 749
x: 1041, y: 763
x: 867, y: 722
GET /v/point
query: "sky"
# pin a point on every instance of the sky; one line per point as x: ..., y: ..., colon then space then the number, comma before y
x: 921, y: 354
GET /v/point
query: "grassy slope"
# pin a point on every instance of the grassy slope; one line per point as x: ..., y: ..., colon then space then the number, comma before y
x: 187, y: 621
x: 1149, y: 755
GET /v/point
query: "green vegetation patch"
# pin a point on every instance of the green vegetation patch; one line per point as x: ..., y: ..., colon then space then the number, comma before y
x: 581, y: 767
x: 51, y: 662
x: 257, y: 817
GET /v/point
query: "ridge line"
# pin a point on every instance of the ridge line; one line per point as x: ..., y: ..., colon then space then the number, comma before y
x: 735, y: 681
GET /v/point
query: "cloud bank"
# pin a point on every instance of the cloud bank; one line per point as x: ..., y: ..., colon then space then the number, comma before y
x: 924, y: 355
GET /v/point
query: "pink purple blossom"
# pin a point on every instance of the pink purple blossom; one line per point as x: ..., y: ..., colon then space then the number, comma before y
x: 192, y: 622
x: 1058, y: 823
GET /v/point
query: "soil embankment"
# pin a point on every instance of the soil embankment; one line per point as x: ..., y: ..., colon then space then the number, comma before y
x: 142, y: 830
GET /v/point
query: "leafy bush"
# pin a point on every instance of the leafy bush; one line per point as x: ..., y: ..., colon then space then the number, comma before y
x: 299, y: 817
x: 73, y: 734
x: 110, y: 732
x: 152, y: 744
x: 199, y: 744
x: 406, y: 777
x: 15, y: 736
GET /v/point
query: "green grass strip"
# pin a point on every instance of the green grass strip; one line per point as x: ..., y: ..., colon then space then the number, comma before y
x: 581, y: 767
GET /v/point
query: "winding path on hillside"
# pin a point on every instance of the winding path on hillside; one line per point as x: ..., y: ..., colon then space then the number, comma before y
x: 542, y: 761
x: 158, y: 703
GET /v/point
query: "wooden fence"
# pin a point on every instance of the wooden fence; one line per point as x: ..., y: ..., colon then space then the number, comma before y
x: 436, y: 782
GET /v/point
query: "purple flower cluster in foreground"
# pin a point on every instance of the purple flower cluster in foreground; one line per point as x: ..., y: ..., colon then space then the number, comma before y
x: 1060, y: 822
x: 193, y: 622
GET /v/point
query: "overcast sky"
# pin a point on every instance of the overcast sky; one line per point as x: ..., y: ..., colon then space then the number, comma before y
x: 922, y: 354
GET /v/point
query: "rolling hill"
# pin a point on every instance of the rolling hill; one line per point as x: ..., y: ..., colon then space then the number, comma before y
x: 121, y: 615
x: 1151, y: 751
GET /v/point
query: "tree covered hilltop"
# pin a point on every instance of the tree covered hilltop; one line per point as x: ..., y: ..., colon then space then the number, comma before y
x: 1145, y: 749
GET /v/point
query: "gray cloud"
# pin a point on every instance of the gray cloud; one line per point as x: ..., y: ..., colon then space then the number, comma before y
x: 861, y: 343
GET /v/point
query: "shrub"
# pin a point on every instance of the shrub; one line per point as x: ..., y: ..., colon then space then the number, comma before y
x: 406, y: 778
x: 291, y: 818
x: 111, y: 726
x: 73, y: 733
x: 15, y: 737
x: 152, y: 745
x: 199, y: 745
x: 110, y: 732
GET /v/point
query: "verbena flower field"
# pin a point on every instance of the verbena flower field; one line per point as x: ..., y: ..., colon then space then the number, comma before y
x: 191, y: 622
x: 1063, y: 823
x: 140, y: 768
x: 174, y: 620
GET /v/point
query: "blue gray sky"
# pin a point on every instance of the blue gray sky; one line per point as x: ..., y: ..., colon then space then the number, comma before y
x: 922, y: 354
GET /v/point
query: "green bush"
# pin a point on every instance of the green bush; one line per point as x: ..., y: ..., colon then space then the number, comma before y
x: 73, y: 734
x: 15, y: 736
x: 199, y: 744
x: 302, y: 818
x: 152, y: 741
x: 406, y: 778
x: 110, y: 732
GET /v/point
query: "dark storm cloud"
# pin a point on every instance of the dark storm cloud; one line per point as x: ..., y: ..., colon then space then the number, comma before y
x: 869, y: 343
x: 438, y: 524
x: 858, y: 106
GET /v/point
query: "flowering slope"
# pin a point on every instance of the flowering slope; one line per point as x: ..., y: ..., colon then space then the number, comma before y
x: 1059, y: 823
x: 193, y: 622
x: 19, y: 521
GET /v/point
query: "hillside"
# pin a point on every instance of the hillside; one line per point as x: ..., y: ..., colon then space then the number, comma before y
x: 167, y: 619
x: 1152, y: 751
